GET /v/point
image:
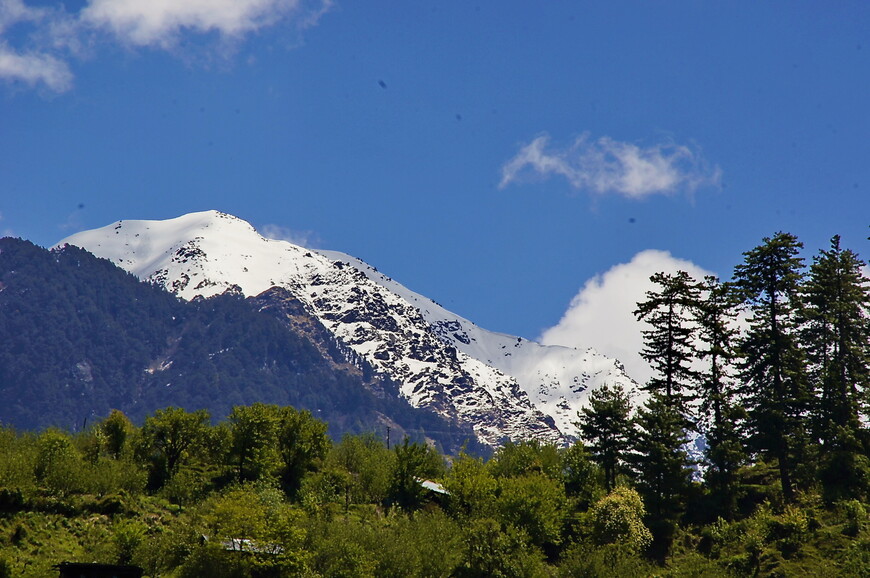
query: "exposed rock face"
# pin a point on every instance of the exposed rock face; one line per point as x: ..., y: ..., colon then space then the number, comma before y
x: 505, y: 387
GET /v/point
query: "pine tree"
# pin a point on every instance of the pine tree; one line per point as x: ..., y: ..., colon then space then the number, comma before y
x: 774, y: 388
x: 662, y: 467
x: 668, y: 344
x: 659, y: 459
x: 715, y: 315
x: 605, y: 426
x: 836, y: 335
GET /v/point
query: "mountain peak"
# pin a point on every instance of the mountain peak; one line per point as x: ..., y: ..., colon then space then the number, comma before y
x: 198, y: 254
x: 504, y: 386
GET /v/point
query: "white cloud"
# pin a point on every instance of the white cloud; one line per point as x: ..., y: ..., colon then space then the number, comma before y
x: 52, y: 36
x: 34, y: 68
x: 307, y: 239
x: 160, y: 22
x: 600, y: 315
x: 15, y: 11
x: 607, y: 166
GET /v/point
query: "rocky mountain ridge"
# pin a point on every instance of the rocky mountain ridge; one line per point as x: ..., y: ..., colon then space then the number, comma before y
x: 505, y: 387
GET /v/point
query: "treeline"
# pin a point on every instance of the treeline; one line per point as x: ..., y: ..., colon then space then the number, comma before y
x: 266, y: 493
x: 769, y: 372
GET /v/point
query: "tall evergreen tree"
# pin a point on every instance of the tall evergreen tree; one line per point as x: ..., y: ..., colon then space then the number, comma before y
x: 774, y: 388
x: 662, y: 467
x: 605, y: 426
x: 659, y: 459
x: 836, y: 335
x: 668, y: 343
x: 715, y: 315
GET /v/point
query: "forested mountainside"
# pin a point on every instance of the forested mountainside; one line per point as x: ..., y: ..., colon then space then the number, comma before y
x: 81, y: 336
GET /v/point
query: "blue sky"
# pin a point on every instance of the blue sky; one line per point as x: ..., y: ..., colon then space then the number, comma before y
x: 499, y: 157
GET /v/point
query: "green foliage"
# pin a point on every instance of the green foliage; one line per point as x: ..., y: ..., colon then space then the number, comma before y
x: 844, y: 467
x: 267, y: 494
x: 721, y: 418
x: 303, y: 445
x: 255, y: 522
x: 534, y: 504
x: 426, y: 544
x: 341, y: 550
x: 254, y: 453
x: 541, y: 516
x: 586, y: 561
x: 168, y: 440
x: 116, y: 429
x: 128, y: 536
x: 491, y: 550
x: 789, y: 529
x: 58, y: 466
x: 617, y: 518
x: 856, y: 560
x: 660, y: 460
x: 189, y: 486
x: 836, y: 333
x: 524, y: 457
x: 326, y: 492
x: 17, y: 456
x: 582, y: 478
x: 472, y: 487
x: 414, y: 463
x: 368, y: 466
x: 5, y: 568
x: 856, y: 515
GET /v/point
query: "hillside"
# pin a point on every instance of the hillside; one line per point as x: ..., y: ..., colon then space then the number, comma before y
x: 83, y: 336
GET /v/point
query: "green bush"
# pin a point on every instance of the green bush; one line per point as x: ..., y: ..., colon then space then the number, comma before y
x: 856, y: 516
x: 617, y: 518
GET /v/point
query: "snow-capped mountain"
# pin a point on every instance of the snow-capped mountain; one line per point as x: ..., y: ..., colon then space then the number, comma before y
x: 504, y: 386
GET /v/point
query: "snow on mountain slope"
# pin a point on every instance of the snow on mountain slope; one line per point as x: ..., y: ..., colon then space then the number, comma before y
x: 557, y: 379
x: 506, y: 387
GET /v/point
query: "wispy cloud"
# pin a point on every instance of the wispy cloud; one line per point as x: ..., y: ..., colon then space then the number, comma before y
x: 38, y: 50
x: 600, y: 315
x: 34, y: 65
x: 34, y: 69
x: 607, y: 166
x: 307, y: 239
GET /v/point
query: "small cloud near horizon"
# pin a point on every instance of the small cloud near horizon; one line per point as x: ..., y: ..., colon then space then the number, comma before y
x: 606, y: 166
x: 600, y: 315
